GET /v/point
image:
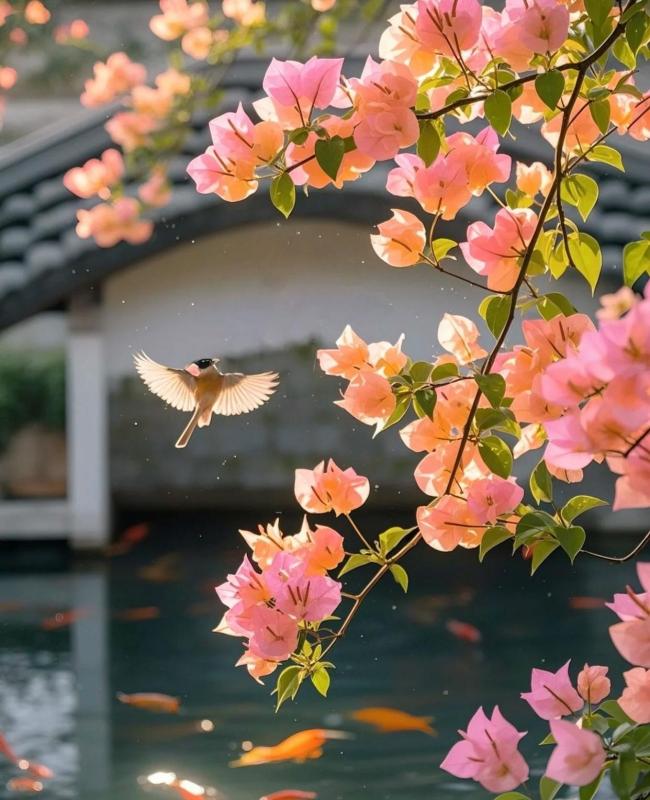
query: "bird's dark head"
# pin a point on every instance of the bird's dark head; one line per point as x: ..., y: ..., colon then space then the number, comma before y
x: 199, y: 366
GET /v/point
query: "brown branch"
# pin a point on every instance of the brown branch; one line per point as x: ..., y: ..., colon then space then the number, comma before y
x: 621, y: 559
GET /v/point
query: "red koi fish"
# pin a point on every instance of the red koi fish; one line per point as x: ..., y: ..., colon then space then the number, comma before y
x: 463, y: 631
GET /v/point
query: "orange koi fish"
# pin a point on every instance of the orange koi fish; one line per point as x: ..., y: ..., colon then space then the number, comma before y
x: 38, y: 770
x: 586, y: 603
x: 299, y: 747
x: 129, y: 538
x: 138, y: 614
x: 290, y: 794
x: 464, y: 631
x: 7, y: 751
x: 163, y: 570
x: 151, y: 701
x: 391, y: 720
x: 24, y: 785
x: 63, y: 619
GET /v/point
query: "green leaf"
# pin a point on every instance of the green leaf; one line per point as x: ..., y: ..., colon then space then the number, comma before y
x: 612, y: 708
x: 420, y: 371
x: 541, y: 551
x: 441, y: 247
x: 541, y: 483
x: 550, y: 87
x: 532, y: 525
x: 636, y: 261
x: 424, y: 402
x: 428, y: 145
x: 491, y: 538
x: 598, y: 10
x: 578, y: 505
x: 288, y: 683
x: 283, y: 193
x: 554, y: 303
x: 571, y: 540
x: 580, y: 191
x: 502, y: 418
x: 600, y: 111
x: 329, y: 154
x: 443, y: 372
x: 548, y: 739
x: 588, y: 792
x: 548, y: 788
x: 498, y: 111
x: 320, y: 678
x: 391, y: 537
x: 606, y: 155
x: 400, y: 575
x: 493, y: 387
x: 496, y: 455
x: 402, y: 406
x: 355, y: 561
x: 636, y: 31
x: 494, y: 310
x: 512, y: 796
x: 587, y: 257
x: 621, y: 50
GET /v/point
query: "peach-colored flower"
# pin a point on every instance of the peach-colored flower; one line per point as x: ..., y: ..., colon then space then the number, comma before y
x: 533, y: 178
x: 401, y: 239
x: 178, y: 17
x: 581, y: 132
x: 322, y: 5
x: 635, y: 700
x: 197, y: 43
x: 73, y: 31
x: 130, y: 129
x: 96, y: 176
x: 330, y: 488
x: 246, y: 12
x: 532, y: 437
x: 257, y: 667
x: 150, y: 102
x: 109, y: 224
x: 8, y: 78
x: 369, y: 398
x: 459, y: 336
x: 449, y: 524
x: 18, y: 36
x: 36, y: 13
x: 448, y: 26
x: 350, y: 356
x: 490, y: 498
x: 593, y: 684
x: 615, y: 305
x: 387, y: 359
x: 173, y: 82
x: 115, y: 77
x: 6, y: 10
x: 156, y: 191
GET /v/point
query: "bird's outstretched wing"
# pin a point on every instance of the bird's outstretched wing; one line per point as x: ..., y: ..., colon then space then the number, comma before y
x: 174, y: 386
x: 241, y: 393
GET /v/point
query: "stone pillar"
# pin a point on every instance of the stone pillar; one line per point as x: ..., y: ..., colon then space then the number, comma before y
x: 87, y: 424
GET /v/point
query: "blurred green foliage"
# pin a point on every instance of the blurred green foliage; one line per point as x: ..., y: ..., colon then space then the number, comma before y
x: 32, y: 389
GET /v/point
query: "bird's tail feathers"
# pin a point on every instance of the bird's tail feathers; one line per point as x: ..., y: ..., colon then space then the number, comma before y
x: 184, y: 438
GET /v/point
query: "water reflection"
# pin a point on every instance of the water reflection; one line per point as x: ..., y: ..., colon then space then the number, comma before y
x: 58, y: 686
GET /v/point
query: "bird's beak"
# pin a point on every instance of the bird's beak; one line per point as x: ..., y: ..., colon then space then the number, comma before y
x: 193, y: 370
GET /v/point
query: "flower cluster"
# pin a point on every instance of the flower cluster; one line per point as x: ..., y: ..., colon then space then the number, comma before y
x: 600, y: 391
x: 579, y: 722
x: 290, y: 591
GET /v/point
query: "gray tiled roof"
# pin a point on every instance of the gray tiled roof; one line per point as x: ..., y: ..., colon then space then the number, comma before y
x: 42, y: 261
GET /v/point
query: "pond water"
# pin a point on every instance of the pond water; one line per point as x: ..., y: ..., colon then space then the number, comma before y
x: 58, y: 685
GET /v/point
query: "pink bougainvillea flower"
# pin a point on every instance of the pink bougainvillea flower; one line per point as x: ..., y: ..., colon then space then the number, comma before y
x: 631, y: 637
x: 108, y: 224
x: 156, y: 191
x: 310, y: 598
x: 541, y: 26
x: 495, y: 252
x: 593, y: 684
x: 350, y: 356
x: 305, y: 86
x: 424, y: 434
x: 483, y: 165
x: 400, y: 240
x: 578, y: 757
x: 635, y: 700
x: 533, y: 179
x: 449, y: 524
x: 246, y: 587
x: 323, y: 550
x: 369, y: 398
x: 197, y: 43
x: 322, y: 5
x: 381, y: 135
x: 96, y: 176
x: 488, y: 753
x: 490, y: 498
x: 330, y: 488
x: 552, y: 694
x: 400, y: 42
x: 570, y: 446
x: 443, y: 187
x: 274, y: 634
x: 448, y: 26
x: 633, y: 605
x: 459, y: 336
x: 131, y: 130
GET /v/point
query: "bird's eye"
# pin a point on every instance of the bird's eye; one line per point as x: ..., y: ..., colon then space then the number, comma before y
x: 203, y: 363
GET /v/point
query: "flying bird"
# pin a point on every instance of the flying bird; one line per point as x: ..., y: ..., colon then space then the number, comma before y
x: 201, y: 388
